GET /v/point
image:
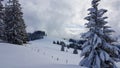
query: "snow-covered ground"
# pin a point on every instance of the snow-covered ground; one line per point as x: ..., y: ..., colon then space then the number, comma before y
x: 37, y: 54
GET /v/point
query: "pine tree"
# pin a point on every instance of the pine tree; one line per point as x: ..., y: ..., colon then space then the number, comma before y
x: 99, y: 51
x: 15, y: 26
x: 2, y: 25
x: 62, y: 47
x: 75, y: 50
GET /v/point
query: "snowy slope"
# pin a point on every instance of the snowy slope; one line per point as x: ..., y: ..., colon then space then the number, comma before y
x: 36, y: 54
x: 12, y: 56
x: 53, y: 52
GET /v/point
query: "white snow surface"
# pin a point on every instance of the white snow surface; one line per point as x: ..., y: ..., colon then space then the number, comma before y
x: 37, y: 54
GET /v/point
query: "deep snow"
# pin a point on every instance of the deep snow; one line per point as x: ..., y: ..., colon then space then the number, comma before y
x: 37, y: 54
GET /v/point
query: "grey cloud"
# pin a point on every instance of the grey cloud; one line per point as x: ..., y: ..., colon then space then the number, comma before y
x: 113, y: 14
x: 54, y: 16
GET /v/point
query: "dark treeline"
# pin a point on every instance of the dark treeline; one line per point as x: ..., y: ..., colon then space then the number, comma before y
x: 36, y: 35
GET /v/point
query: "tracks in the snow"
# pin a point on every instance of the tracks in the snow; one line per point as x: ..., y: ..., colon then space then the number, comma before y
x: 54, y: 58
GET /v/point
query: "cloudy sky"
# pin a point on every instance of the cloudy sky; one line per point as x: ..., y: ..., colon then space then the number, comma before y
x: 65, y: 18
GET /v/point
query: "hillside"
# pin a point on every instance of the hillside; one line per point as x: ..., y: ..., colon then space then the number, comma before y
x: 37, y: 54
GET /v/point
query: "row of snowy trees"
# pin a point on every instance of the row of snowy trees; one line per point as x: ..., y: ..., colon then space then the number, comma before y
x: 99, y: 51
x: 12, y: 26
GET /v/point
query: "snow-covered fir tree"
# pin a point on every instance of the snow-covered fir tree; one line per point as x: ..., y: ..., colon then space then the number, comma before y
x: 2, y: 25
x: 62, y: 47
x: 99, y: 50
x: 15, y: 26
x: 75, y: 50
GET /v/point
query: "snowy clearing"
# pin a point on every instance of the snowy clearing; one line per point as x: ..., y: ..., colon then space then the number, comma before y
x: 36, y: 54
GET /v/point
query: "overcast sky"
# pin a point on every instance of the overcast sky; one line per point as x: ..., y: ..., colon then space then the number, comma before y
x: 65, y: 18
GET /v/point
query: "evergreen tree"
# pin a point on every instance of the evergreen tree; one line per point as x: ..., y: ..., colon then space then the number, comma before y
x: 15, y: 26
x: 54, y: 42
x: 62, y: 46
x: 75, y: 50
x: 2, y: 25
x: 99, y: 50
x: 58, y: 42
